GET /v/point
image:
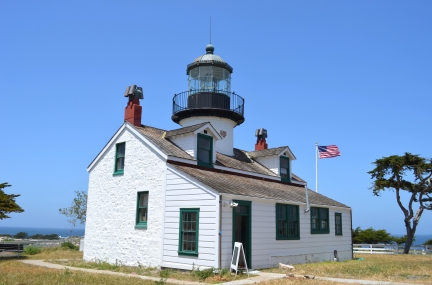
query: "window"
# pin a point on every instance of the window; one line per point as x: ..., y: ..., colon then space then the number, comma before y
x: 142, y: 210
x: 287, y: 222
x: 205, y: 150
x: 319, y: 220
x: 284, y: 169
x: 119, y: 158
x: 338, y: 224
x: 189, y: 224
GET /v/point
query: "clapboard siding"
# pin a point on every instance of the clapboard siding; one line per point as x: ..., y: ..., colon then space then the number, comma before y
x: 182, y: 192
x: 268, y: 252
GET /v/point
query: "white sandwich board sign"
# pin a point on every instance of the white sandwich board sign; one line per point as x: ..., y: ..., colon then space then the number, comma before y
x: 238, y: 260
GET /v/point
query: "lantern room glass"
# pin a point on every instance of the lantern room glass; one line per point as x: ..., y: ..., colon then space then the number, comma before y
x: 209, y: 79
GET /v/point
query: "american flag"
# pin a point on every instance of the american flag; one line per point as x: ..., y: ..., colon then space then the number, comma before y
x: 328, y: 151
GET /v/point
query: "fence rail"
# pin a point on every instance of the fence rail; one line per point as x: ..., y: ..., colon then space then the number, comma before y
x: 389, y: 249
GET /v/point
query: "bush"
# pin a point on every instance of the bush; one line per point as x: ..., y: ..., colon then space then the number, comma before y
x: 203, y: 274
x: 428, y: 242
x: 32, y: 250
x: 21, y: 235
x: 69, y: 245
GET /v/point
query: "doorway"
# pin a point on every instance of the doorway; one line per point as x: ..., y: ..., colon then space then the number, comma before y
x: 242, y: 223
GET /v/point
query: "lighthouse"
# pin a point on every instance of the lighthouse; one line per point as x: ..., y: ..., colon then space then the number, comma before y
x: 209, y: 99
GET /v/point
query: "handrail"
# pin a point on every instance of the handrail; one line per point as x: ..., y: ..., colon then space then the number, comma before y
x: 208, y: 99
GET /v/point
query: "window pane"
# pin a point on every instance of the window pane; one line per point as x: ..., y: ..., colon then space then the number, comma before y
x: 143, y: 215
x: 203, y: 143
x: 204, y: 155
x: 143, y: 199
x: 121, y: 150
x: 120, y: 163
x: 284, y: 162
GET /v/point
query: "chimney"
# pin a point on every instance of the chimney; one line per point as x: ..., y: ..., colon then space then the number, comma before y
x: 133, y: 110
x: 261, y: 143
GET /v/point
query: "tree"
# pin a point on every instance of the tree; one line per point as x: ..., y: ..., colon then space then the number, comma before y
x: 402, y: 240
x: 21, y: 235
x: 428, y: 242
x: 7, y: 202
x: 393, y: 173
x: 371, y: 236
x: 77, y: 211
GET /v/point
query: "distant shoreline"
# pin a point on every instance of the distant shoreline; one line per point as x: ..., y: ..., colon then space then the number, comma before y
x: 64, y: 232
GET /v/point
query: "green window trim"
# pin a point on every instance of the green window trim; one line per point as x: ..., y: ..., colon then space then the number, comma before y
x: 319, y: 220
x: 142, y: 210
x: 204, y: 150
x: 338, y: 224
x: 284, y: 169
x: 188, y: 231
x: 287, y: 222
x: 119, y: 158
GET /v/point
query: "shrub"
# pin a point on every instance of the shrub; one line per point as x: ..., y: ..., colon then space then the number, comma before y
x: 32, y: 250
x: 21, y: 235
x: 69, y: 245
x: 203, y: 274
x: 428, y: 242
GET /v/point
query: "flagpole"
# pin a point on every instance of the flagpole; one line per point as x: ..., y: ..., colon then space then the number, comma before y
x: 316, y: 169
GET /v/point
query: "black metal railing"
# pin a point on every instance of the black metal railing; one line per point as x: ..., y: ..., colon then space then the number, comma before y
x: 208, y: 99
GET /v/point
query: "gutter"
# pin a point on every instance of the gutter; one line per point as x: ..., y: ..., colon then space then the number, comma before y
x: 307, y: 200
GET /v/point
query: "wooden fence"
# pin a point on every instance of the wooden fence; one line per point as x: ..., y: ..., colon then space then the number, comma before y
x: 389, y: 249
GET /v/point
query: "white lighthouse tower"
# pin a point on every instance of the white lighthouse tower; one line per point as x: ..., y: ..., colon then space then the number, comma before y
x: 209, y: 99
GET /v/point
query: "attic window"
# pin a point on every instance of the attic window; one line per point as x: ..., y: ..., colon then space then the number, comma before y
x: 284, y: 169
x: 205, y: 131
x: 119, y: 158
x: 205, y: 150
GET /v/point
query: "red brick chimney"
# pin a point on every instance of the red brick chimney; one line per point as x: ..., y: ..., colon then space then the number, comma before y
x: 261, y: 143
x: 133, y: 110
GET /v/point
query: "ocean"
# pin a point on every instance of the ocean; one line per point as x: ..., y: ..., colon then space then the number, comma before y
x: 43, y: 231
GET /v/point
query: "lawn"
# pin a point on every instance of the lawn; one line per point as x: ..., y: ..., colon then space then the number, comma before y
x: 397, y: 268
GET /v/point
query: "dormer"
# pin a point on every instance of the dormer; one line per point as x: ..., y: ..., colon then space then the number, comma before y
x: 198, y: 141
x: 278, y: 160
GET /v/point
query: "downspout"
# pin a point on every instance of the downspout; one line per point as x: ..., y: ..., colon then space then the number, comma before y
x: 307, y: 200
x: 220, y: 232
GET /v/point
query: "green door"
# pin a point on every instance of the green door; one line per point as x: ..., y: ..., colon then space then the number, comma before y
x: 242, y: 221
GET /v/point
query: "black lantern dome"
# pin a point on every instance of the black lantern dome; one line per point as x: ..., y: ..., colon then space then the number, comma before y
x: 209, y: 91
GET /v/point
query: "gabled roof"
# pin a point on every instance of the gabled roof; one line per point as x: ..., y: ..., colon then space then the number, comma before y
x: 270, y: 152
x: 186, y: 130
x: 156, y: 136
x: 241, y: 161
x: 229, y: 183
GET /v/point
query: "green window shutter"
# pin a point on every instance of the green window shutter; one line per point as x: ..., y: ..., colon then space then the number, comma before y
x: 205, y: 150
x: 119, y: 158
x: 142, y: 210
x: 338, y: 224
x: 319, y: 220
x: 287, y: 222
x: 188, y: 232
x: 284, y: 169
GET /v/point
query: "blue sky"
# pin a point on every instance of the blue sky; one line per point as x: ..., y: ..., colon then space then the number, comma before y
x: 352, y: 73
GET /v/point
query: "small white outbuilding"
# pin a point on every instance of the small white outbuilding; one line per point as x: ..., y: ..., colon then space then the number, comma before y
x: 181, y: 198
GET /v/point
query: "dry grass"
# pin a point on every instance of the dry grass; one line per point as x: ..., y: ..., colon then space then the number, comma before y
x: 14, y: 272
x: 73, y: 258
x: 397, y: 268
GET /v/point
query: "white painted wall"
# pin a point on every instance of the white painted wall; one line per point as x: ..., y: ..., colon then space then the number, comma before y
x: 225, y: 145
x: 268, y: 252
x: 182, y: 192
x: 111, y: 210
x: 273, y: 163
x: 186, y: 142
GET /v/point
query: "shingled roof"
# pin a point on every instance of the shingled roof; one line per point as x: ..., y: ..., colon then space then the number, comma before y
x: 242, y: 162
x: 230, y: 183
x: 268, y: 152
x: 168, y: 147
x: 185, y: 130
x: 239, y: 161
